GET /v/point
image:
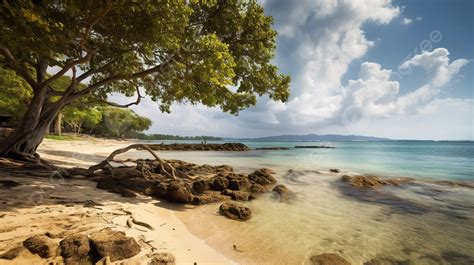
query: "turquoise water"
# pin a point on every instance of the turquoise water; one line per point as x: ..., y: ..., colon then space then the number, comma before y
x: 420, y: 159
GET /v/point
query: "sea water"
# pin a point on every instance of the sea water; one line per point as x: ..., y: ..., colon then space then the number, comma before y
x: 420, y: 223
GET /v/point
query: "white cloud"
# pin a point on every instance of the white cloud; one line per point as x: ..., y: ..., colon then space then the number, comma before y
x: 407, y: 21
x: 318, y: 40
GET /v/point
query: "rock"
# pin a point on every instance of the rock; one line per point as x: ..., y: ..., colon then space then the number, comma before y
x: 42, y: 245
x: 199, y: 186
x: 272, y: 148
x: 200, y: 147
x: 284, y: 193
x: 235, y: 211
x: 208, y: 197
x: 238, y: 182
x: 163, y: 258
x: 75, y: 249
x: 334, y: 170
x: 178, y: 192
x: 236, y: 195
x: 219, y: 183
x: 262, y: 176
x: 13, y: 253
x: 114, y: 244
x: 281, y: 189
x: 126, y: 192
x: 364, y: 181
x: 328, y: 259
x: 258, y: 189
x: 140, y: 185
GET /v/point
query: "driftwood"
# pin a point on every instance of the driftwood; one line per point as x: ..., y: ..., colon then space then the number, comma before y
x: 165, y: 167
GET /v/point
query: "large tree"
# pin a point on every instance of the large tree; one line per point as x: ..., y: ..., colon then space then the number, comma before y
x: 217, y: 53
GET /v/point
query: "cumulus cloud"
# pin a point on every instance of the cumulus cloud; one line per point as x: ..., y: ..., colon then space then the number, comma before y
x: 318, y: 40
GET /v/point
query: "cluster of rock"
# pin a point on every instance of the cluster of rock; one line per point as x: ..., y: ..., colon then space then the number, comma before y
x: 195, y: 184
x: 200, y: 147
x: 367, y: 181
x: 105, y: 245
x: 272, y: 148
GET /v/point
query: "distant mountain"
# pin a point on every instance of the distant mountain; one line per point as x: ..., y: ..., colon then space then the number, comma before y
x: 314, y: 138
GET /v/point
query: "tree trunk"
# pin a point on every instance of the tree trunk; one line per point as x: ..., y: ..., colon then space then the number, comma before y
x: 57, y: 124
x: 28, y: 135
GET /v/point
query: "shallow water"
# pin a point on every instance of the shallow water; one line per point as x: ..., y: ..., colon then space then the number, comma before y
x: 421, y: 223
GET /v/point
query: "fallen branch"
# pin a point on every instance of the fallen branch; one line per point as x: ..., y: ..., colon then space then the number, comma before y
x: 165, y: 167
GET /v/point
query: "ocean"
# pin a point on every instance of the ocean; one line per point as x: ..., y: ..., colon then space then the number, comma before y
x: 424, y: 222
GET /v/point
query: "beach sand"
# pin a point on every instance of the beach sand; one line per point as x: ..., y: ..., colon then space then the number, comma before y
x: 69, y: 206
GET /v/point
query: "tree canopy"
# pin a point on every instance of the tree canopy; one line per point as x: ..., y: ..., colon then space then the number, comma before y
x: 217, y: 53
x: 214, y: 52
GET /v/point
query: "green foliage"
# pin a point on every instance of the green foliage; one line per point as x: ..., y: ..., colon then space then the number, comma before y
x: 119, y: 122
x: 217, y: 53
x: 15, y: 94
x: 76, y: 118
x: 143, y: 136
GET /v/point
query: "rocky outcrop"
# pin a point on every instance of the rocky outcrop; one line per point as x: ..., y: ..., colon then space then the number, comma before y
x: 42, y: 245
x: 75, y: 249
x: 114, y: 244
x: 334, y: 170
x: 235, y: 211
x: 367, y: 181
x: 328, y: 259
x: 272, y: 148
x: 200, y: 147
x: 196, y: 184
x: 263, y: 177
x: 237, y: 195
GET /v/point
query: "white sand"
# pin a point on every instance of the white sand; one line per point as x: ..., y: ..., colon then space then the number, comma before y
x: 56, y: 205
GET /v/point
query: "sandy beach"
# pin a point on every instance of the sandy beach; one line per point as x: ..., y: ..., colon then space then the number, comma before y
x: 363, y: 226
x: 64, y: 207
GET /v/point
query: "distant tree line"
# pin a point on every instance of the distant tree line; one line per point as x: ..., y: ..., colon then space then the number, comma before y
x: 143, y: 136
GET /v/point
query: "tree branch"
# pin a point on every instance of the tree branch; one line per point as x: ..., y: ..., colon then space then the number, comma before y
x: 17, y: 67
x: 66, y: 68
x: 114, y: 78
x: 136, y: 102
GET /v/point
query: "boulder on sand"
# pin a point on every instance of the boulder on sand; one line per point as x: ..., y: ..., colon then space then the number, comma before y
x: 262, y: 176
x: 114, y: 244
x: 235, y: 211
x: 75, y: 249
x: 219, y: 183
x: 237, y: 195
x: 42, y: 245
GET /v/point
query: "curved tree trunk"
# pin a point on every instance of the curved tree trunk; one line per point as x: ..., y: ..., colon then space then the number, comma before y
x: 28, y: 135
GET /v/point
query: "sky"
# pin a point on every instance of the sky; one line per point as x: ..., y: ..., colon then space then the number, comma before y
x: 401, y: 69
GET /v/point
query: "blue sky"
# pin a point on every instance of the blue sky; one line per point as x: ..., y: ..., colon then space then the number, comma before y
x: 397, y: 69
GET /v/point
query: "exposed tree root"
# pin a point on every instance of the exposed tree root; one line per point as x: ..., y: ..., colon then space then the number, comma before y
x: 165, y: 167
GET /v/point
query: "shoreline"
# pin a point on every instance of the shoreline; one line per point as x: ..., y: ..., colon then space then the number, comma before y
x: 214, y: 241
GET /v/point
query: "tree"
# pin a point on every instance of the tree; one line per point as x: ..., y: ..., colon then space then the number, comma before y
x: 118, y: 122
x: 217, y: 53
x: 15, y: 94
x: 77, y: 118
